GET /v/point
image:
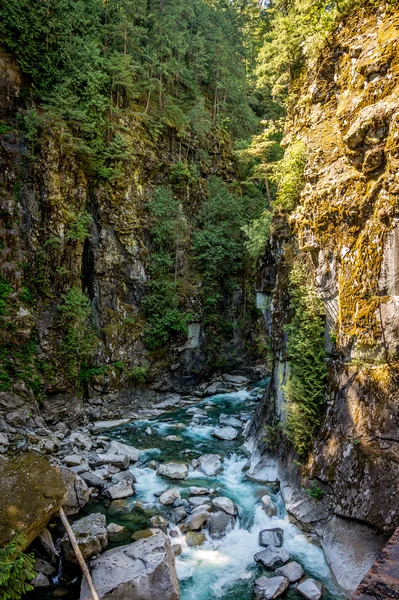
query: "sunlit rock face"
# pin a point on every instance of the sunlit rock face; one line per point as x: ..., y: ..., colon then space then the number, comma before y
x: 345, y: 227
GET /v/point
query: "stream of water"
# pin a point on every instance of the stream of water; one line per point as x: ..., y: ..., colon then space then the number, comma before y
x: 225, y: 568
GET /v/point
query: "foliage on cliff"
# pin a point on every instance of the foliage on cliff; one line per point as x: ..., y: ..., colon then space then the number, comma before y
x: 16, y: 570
x: 306, y: 385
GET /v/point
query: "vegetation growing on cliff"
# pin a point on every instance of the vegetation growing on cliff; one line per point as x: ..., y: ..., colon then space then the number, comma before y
x: 16, y: 570
x: 306, y: 385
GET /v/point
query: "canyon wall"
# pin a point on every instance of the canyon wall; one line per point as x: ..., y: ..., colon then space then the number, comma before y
x: 345, y: 230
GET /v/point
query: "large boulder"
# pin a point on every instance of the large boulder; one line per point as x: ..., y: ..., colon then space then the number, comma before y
x: 219, y: 523
x: 268, y: 588
x: 115, y: 447
x: 210, y: 464
x: 169, y: 496
x: 198, y: 500
x: 77, y: 492
x: 144, y: 570
x: 225, y: 433
x: 271, y: 537
x: 195, y: 521
x: 91, y: 535
x: 310, y: 589
x: 121, y: 461
x: 173, y: 470
x: 31, y: 493
x: 292, y: 571
x: 230, y: 421
x: 272, y: 556
x: 225, y: 504
x: 268, y: 506
x: 122, y: 489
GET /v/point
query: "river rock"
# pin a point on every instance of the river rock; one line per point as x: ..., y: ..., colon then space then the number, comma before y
x: 195, y: 539
x: 198, y: 500
x: 122, y: 475
x: 117, y: 533
x: 122, y: 489
x: 144, y: 570
x: 173, y: 470
x: 102, y: 425
x: 216, y: 388
x: 292, y: 571
x: 210, y: 464
x: 91, y: 536
x: 74, y: 460
x: 174, y: 438
x: 40, y: 581
x: 141, y: 534
x: 225, y: 504
x: 268, y: 588
x: 177, y: 515
x: 160, y: 522
x: 77, y: 491
x: 230, y: 421
x: 264, y: 471
x: 268, y: 506
x: 194, y: 410
x: 92, y: 480
x: 271, y: 537
x: 177, y: 549
x: 272, y: 556
x: 218, y: 524
x: 195, y: 521
x: 121, y: 461
x: 225, y: 433
x: 42, y: 566
x: 310, y: 589
x: 198, y: 491
x: 170, y: 496
x: 115, y: 447
x: 119, y: 508
x: 235, y: 379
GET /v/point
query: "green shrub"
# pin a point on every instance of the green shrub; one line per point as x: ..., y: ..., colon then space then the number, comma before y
x: 289, y: 175
x: 139, y: 374
x: 315, y: 491
x: 258, y: 233
x: 16, y: 569
x: 78, y: 339
x: 78, y: 230
x: 305, y: 388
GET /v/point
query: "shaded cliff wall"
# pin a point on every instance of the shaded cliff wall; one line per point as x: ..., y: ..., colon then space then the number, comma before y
x: 346, y: 110
x: 44, y: 190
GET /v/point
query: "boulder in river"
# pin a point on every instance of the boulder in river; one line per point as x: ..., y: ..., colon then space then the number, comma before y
x: 92, y: 480
x: 178, y: 514
x: 121, y: 461
x: 271, y: 537
x: 198, y: 500
x: 77, y: 491
x: 310, y: 589
x: 31, y: 493
x: 267, y: 588
x: 210, y: 464
x: 91, y: 536
x: 173, y: 470
x: 272, y: 556
x: 292, y: 571
x: 117, y: 533
x: 115, y: 447
x: 122, y: 489
x: 219, y: 523
x: 225, y: 433
x: 268, y: 506
x: 195, y: 539
x: 170, y: 496
x: 264, y: 471
x: 198, y: 491
x: 160, y: 522
x: 225, y: 504
x: 144, y: 570
x: 195, y: 521
x: 230, y: 421
x: 123, y: 475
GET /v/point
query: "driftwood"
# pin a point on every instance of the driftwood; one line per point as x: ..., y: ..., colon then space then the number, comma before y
x: 79, y: 555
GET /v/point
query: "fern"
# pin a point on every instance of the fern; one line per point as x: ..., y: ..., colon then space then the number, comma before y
x: 16, y: 570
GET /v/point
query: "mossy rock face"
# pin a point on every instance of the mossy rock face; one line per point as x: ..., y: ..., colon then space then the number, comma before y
x: 31, y: 493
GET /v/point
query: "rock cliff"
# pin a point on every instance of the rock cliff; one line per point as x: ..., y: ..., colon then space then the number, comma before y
x: 345, y: 231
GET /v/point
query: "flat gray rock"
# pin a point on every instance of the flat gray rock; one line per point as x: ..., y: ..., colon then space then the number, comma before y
x: 210, y: 464
x: 219, y: 523
x: 121, y: 461
x: 225, y: 504
x: 170, y: 496
x: 144, y: 570
x: 225, y: 433
x: 115, y: 447
x: 198, y: 500
x: 310, y: 589
x: 173, y: 470
x: 122, y: 489
x: 110, y: 424
x: 230, y: 421
x: 91, y: 536
x: 272, y: 556
x: 271, y: 537
x: 195, y: 521
x: 267, y: 588
x: 292, y: 571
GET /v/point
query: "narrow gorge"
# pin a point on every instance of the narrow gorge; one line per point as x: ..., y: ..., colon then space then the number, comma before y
x: 198, y: 290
